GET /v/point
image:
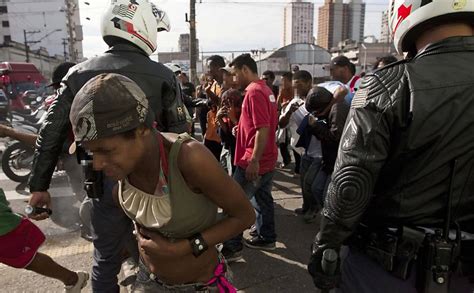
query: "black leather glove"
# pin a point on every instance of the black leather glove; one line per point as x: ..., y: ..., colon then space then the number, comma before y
x: 321, y: 279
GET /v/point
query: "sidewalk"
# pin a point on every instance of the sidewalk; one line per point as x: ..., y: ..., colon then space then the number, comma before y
x: 283, y: 270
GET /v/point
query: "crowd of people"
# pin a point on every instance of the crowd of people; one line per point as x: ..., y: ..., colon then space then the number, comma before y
x: 377, y: 157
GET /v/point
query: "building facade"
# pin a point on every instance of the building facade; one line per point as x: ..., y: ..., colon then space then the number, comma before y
x: 385, y: 30
x: 15, y: 52
x: 356, y: 20
x: 42, y: 23
x: 339, y: 21
x: 364, y: 55
x: 309, y: 57
x: 184, y: 43
x: 298, y: 21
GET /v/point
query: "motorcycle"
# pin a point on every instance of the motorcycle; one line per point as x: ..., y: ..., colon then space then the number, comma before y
x: 17, y: 157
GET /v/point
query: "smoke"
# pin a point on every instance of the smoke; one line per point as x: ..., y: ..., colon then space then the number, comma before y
x: 66, y: 202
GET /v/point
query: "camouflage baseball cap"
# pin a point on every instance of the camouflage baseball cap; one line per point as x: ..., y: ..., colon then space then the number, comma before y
x: 106, y: 105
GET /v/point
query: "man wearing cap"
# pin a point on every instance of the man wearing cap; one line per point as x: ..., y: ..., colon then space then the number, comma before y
x: 343, y: 70
x: 128, y: 55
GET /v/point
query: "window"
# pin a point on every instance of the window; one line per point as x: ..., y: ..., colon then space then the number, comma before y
x: 7, y: 39
x: 6, y: 23
x: 3, y: 9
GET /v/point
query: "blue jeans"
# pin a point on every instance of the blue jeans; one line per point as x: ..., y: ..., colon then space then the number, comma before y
x: 308, y: 171
x: 321, y: 183
x: 259, y: 192
x: 112, y: 233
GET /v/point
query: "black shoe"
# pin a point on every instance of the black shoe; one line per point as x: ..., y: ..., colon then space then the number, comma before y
x: 311, y: 216
x: 253, y: 231
x: 86, y: 235
x: 231, y: 255
x: 300, y: 211
x: 259, y: 243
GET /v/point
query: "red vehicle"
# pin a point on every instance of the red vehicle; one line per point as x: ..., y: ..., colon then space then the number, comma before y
x: 16, y: 78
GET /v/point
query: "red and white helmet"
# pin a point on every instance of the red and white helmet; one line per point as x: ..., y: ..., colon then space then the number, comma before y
x: 406, y: 16
x: 136, y: 21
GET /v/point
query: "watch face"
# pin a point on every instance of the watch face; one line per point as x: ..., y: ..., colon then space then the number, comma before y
x: 28, y: 210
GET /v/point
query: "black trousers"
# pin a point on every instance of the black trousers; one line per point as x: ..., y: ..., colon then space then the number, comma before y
x: 285, y: 153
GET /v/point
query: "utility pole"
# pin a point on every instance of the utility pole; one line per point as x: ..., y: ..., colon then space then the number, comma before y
x: 27, y: 48
x: 64, y: 43
x: 70, y: 28
x: 192, y: 41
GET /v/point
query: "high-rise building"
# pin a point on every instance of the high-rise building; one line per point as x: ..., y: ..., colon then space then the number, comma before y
x: 184, y: 43
x: 298, y: 23
x: 339, y: 21
x: 356, y: 20
x: 385, y: 30
x: 330, y: 23
x: 44, y: 23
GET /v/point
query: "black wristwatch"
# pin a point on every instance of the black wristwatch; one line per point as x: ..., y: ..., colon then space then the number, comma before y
x: 198, y: 244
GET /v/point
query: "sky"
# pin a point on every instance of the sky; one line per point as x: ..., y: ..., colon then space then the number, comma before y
x: 222, y: 25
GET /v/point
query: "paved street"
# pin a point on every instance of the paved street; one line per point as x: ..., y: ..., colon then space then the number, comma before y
x: 283, y: 270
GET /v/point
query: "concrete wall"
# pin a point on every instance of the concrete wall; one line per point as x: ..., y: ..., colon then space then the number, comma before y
x: 366, y: 57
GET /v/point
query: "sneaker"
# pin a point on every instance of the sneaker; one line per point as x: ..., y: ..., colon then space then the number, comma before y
x: 259, y: 243
x: 253, y: 231
x: 231, y: 255
x: 82, y: 278
x: 300, y: 211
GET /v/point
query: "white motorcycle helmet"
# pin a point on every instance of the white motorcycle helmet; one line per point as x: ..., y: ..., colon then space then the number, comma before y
x: 407, y: 17
x: 174, y: 67
x: 136, y: 21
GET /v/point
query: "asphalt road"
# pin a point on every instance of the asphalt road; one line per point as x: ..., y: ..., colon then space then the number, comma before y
x: 283, y: 270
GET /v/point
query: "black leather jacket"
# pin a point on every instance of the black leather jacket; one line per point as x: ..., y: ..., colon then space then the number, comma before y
x: 407, y: 125
x: 156, y: 80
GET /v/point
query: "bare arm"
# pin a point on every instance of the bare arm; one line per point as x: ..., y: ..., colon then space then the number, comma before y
x: 220, y: 189
x: 26, y: 138
x: 285, y: 119
x: 261, y: 139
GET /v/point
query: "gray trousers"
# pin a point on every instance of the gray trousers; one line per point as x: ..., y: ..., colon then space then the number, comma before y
x: 361, y: 274
x: 112, y: 233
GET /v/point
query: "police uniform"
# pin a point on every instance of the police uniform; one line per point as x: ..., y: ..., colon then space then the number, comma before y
x: 408, y: 144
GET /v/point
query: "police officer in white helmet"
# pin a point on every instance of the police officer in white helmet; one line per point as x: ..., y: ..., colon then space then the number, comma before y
x: 401, y: 197
x: 130, y: 29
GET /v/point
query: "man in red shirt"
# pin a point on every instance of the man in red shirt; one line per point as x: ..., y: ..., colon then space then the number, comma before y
x: 255, y: 155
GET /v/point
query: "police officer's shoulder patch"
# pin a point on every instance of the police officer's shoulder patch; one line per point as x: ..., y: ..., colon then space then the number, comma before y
x: 360, y: 98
